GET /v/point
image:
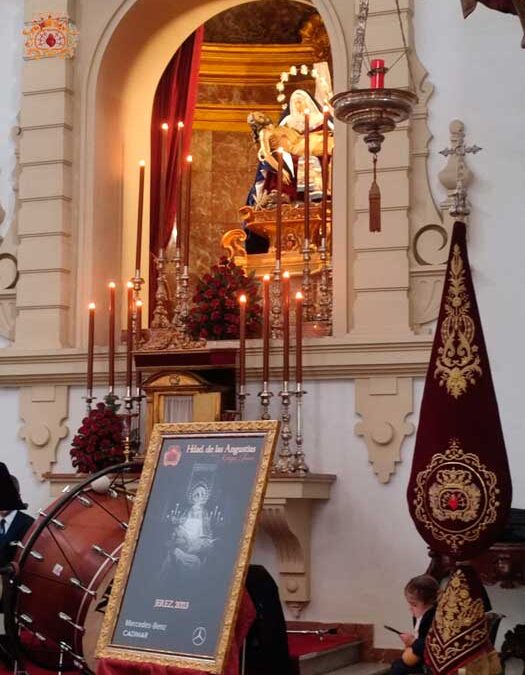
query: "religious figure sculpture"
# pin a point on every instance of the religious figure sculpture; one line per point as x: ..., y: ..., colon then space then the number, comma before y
x: 290, y: 136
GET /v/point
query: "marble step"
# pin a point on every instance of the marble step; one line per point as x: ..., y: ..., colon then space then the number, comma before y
x: 362, y: 668
x: 326, y: 661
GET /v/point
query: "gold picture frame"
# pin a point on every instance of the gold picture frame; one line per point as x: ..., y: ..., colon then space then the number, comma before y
x: 203, y: 483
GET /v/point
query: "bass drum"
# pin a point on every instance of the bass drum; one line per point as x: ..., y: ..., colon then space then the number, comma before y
x: 64, y: 571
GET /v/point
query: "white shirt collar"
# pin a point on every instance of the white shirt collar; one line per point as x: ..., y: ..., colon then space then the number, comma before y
x: 9, y: 519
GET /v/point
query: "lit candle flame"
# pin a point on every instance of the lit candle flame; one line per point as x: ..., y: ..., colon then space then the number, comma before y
x: 165, y: 126
x: 180, y: 124
x: 298, y: 295
x: 189, y: 158
x: 286, y: 274
x: 139, y: 303
x: 266, y: 277
x: 112, y: 284
x: 129, y: 284
x: 142, y: 162
x: 242, y: 299
x: 91, y: 305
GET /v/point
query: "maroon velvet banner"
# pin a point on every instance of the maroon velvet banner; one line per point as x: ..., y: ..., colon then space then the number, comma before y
x: 460, y: 491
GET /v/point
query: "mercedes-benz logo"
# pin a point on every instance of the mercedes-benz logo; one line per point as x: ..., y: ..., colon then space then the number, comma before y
x: 199, y: 636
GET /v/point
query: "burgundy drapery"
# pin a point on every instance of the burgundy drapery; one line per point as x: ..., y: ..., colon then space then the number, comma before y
x: 174, y: 101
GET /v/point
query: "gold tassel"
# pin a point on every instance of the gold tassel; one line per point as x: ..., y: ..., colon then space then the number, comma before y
x: 374, y: 203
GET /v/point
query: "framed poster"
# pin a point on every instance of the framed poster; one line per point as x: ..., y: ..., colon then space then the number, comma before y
x: 180, y: 577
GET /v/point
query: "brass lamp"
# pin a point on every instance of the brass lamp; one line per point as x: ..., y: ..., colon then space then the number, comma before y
x: 375, y: 111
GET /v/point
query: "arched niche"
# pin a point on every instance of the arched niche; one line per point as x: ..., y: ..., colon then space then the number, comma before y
x: 126, y: 63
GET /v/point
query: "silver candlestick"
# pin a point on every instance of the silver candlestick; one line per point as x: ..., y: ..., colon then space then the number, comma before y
x: 276, y: 324
x: 298, y: 461
x: 324, y: 310
x: 265, y: 395
x: 241, y: 396
x: 285, y: 463
x: 307, y: 281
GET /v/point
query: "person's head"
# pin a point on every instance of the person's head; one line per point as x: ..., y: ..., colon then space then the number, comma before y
x: 199, y: 495
x: 16, y: 483
x: 421, y: 593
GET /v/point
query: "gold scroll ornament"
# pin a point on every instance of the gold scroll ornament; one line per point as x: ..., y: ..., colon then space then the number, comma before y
x: 458, y: 361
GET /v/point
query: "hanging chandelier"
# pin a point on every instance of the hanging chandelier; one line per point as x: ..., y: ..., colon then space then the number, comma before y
x: 375, y: 111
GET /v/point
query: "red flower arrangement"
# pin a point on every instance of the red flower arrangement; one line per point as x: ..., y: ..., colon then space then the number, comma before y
x: 98, y: 442
x: 215, y: 314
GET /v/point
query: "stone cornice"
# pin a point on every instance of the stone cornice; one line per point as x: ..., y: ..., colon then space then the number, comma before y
x: 327, y: 358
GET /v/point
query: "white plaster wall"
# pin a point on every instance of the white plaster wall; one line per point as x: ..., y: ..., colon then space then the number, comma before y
x: 364, y: 544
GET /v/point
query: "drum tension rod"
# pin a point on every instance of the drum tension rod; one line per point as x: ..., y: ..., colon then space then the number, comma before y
x: 36, y: 555
x: 76, y: 582
x: 18, y: 544
x: 84, y: 500
x: 26, y: 618
x: 105, y: 554
x: 55, y: 521
x: 65, y: 617
x: 24, y: 589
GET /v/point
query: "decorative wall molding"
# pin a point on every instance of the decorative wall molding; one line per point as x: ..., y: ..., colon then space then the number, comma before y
x: 8, y: 281
x: 384, y: 404
x: 323, y: 359
x: 44, y: 408
x: 287, y: 519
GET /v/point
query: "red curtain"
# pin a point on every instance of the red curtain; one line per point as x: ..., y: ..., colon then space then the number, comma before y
x: 174, y: 101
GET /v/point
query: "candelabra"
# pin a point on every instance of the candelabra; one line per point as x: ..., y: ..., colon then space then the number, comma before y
x: 324, y: 309
x: 276, y: 324
x: 176, y: 321
x: 184, y: 306
x: 307, y: 281
x: 298, y: 461
x: 265, y: 395
x: 160, y: 313
x: 137, y: 282
x: 285, y: 463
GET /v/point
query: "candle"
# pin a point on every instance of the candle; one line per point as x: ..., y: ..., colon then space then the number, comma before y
x: 187, y: 212
x: 138, y: 322
x: 266, y: 328
x: 377, y: 74
x: 111, y: 337
x: 299, y: 337
x: 91, y: 343
x: 163, y: 175
x: 279, y: 218
x: 307, y: 175
x: 178, y: 173
x: 129, y: 339
x: 138, y: 251
x: 242, y: 341
x: 285, y: 295
x: 324, y: 202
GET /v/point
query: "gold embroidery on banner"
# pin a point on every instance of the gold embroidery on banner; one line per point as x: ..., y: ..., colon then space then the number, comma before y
x: 456, y: 490
x: 459, y: 624
x: 458, y: 361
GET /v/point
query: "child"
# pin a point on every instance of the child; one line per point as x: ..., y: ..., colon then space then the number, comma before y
x: 421, y: 594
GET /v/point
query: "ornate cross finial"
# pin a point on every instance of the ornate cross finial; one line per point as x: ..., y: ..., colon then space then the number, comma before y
x: 456, y: 175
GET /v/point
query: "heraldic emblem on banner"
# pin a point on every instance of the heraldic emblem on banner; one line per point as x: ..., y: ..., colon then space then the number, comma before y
x: 48, y: 36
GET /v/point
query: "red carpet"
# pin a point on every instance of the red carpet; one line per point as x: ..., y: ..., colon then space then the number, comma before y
x: 299, y: 646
